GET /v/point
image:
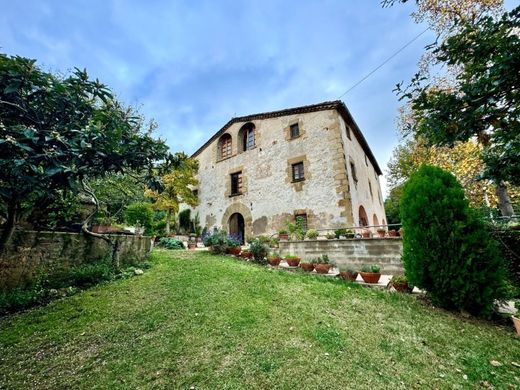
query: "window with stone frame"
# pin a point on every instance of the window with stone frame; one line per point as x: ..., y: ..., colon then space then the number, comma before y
x: 298, y: 172
x: 295, y: 130
x: 225, y: 146
x: 347, y: 129
x: 236, y: 183
x: 303, y: 218
x: 353, y: 171
x: 370, y: 188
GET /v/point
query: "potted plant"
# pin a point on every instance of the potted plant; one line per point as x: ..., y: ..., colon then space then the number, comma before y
x: 307, y: 265
x: 347, y: 272
x: 292, y: 260
x: 330, y: 236
x: 283, y: 235
x: 365, y: 233
x: 246, y: 254
x: 392, y: 233
x: 233, y: 246
x: 274, y: 259
x: 370, y: 273
x: 312, y: 234
x: 350, y: 234
x: 340, y: 233
x: 516, y: 320
x: 323, y: 265
x: 400, y: 283
x: 381, y: 232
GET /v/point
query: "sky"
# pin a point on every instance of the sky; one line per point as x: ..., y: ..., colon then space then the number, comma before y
x: 193, y: 65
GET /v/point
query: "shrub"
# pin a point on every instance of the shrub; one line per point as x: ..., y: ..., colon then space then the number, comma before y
x: 140, y: 214
x: 340, y: 232
x: 312, y: 234
x: 233, y: 241
x: 185, y: 221
x: 171, y: 243
x: 218, y: 241
x: 446, y: 249
x: 259, y: 250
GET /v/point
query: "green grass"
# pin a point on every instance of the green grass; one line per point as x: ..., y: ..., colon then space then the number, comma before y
x: 213, y: 322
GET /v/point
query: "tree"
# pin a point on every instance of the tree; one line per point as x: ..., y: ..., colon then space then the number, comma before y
x: 392, y: 205
x: 57, y: 132
x: 446, y: 249
x: 463, y: 160
x: 178, y: 188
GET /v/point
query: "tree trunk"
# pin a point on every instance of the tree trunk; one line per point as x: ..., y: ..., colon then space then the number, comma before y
x: 504, y: 202
x: 8, y: 227
x: 168, y: 217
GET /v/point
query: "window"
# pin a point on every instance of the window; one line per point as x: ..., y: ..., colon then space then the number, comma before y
x: 295, y: 130
x: 353, y: 170
x: 366, y: 160
x: 250, y: 139
x: 236, y: 183
x: 303, y: 219
x: 370, y: 188
x: 246, y: 137
x: 225, y: 146
x: 347, y: 129
x: 298, y: 173
x: 379, y: 196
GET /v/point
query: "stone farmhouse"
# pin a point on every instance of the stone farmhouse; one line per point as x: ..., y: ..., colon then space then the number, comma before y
x: 262, y: 170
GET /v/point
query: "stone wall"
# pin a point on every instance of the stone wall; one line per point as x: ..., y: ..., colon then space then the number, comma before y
x: 383, y: 251
x: 32, y: 254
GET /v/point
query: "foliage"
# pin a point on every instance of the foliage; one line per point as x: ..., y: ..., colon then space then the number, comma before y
x: 140, y: 214
x: 347, y: 268
x: 217, y: 241
x: 233, y: 241
x: 375, y: 268
x: 392, y: 205
x: 446, y: 249
x: 482, y: 102
x: 312, y: 234
x: 274, y: 255
x: 330, y: 236
x: 171, y: 243
x: 57, y: 132
x: 259, y: 250
x: 291, y: 256
x: 283, y: 231
x: 340, y: 232
x: 296, y: 230
x: 177, y: 189
x: 399, y: 279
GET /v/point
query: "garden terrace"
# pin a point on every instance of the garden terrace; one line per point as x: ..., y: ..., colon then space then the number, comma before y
x: 196, y: 319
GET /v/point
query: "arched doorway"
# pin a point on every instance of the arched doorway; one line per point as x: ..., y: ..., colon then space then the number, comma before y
x: 363, y: 218
x: 236, y: 226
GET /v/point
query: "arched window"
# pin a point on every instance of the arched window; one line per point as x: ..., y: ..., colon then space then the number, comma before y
x: 246, y: 137
x: 375, y: 220
x: 224, y: 146
x: 363, y: 218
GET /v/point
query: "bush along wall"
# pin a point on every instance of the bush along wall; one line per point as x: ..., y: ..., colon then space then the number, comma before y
x: 447, y: 249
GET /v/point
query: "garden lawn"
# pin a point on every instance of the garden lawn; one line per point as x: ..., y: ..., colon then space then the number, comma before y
x: 215, y: 322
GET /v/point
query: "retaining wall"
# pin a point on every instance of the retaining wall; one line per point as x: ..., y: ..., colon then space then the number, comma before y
x: 32, y: 254
x: 383, y: 251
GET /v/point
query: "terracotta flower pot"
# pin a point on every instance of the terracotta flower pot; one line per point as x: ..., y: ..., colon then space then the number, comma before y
x: 365, y: 234
x: 192, y: 245
x: 348, y: 275
x: 274, y: 261
x: 322, y: 268
x: 381, y: 234
x: 516, y: 322
x: 293, y: 262
x: 392, y: 233
x: 246, y: 254
x: 370, y: 277
x: 308, y: 267
x: 283, y: 237
x: 234, y: 251
x: 403, y: 287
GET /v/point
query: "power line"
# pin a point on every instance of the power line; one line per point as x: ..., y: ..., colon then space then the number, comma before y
x: 383, y: 63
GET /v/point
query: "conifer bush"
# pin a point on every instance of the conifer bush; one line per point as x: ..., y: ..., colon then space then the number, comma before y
x: 446, y: 249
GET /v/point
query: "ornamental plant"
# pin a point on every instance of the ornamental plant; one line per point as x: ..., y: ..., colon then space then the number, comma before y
x: 217, y: 241
x: 259, y: 250
x: 446, y: 249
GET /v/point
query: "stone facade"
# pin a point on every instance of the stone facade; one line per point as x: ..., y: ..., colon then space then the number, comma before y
x: 328, y: 143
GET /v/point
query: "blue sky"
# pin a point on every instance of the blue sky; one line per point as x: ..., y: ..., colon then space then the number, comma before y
x: 192, y: 65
